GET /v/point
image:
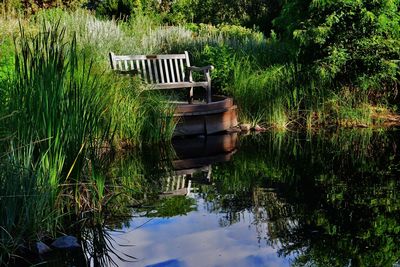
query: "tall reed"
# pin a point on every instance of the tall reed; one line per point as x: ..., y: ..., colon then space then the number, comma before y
x: 264, y: 95
x: 27, y: 203
x: 55, y: 100
x: 140, y: 116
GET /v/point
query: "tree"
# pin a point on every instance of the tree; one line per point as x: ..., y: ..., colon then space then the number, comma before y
x: 354, y: 42
x: 118, y: 8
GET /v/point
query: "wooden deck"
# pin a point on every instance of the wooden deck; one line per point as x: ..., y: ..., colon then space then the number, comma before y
x: 205, y: 118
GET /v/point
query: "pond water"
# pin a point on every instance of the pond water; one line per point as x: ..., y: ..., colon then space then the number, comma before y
x: 273, y: 199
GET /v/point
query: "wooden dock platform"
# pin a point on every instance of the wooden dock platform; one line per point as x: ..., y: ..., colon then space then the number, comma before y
x: 205, y: 118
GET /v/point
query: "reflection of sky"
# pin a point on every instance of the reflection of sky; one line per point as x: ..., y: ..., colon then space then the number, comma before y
x: 195, y: 240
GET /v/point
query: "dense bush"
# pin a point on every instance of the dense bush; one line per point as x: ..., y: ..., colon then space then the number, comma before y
x: 350, y: 48
x: 118, y: 8
x: 246, y: 13
x: 356, y: 43
x: 33, y: 6
x: 223, y: 59
x: 254, y: 13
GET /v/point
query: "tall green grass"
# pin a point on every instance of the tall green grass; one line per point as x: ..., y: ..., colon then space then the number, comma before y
x: 58, y: 111
x: 293, y: 96
x: 265, y: 95
x: 140, y: 116
x: 55, y: 100
x: 28, y: 211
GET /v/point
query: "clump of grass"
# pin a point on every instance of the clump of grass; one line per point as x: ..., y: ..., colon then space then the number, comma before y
x: 264, y: 95
x: 292, y: 96
x: 55, y: 99
x: 28, y: 211
x: 140, y: 116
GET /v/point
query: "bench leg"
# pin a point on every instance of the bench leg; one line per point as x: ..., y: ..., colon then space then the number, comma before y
x: 209, y: 94
x: 208, y: 86
x: 190, y: 95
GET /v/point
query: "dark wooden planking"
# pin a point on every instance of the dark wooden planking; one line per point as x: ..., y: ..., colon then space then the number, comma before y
x: 190, y: 126
x: 208, y: 122
x: 216, y: 123
x: 220, y: 103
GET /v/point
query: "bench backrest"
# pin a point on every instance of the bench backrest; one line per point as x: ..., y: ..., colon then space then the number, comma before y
x: 154, y: 69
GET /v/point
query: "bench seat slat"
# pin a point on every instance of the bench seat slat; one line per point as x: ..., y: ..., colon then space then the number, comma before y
x: 144, y: 72
x: 161, y: 70
x: 177, y: 71
x: 182, y: 69
x: 171, y: 71
x: 155, y: 70
x: 150, y: 71
x: 137, y: 66
x: 178, y: 85
x: 166, y: 70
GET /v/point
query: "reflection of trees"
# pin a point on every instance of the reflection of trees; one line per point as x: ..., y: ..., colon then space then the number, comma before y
x: 331, y: 200
x: 169, y: 207
x: 274, y: 215
x: 327, y: 200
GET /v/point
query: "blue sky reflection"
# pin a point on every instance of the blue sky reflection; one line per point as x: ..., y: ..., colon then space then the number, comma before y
x: 196, y: 239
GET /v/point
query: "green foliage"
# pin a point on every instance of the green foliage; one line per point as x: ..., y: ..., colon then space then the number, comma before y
x: 255, y: 13
x: 54, y: 100
x: 29, y: 212
x: 354, y: 42
x: 33, y: 6
x: 223, y: 59
x: 139, y: 117
x: 173, y: 206
x: 6, y: 57
x: 176, y: 12
x: 7, y: 6
x: 118, y: 8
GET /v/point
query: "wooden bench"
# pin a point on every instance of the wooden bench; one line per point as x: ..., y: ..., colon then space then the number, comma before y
x: 170, y: 71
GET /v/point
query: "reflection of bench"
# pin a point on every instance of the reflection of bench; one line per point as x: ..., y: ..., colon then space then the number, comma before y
x: 172, y: 71
x: 180, y: 182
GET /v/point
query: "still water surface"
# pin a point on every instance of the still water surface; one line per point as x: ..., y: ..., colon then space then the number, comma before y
x: 326, y: 199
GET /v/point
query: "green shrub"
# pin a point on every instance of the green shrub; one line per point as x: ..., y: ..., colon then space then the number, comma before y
x: 223, y: 59
x: 118, y: 8
x: 176, y: 12
x: 33, y: 6
x: 354, y: 42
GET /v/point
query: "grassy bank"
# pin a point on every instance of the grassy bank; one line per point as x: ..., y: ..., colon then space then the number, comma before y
x: 269, y: 84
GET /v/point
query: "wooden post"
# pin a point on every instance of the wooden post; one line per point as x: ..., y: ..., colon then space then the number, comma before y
x: 207, y: 73
x: 190, y: 78
x: 111, y: 56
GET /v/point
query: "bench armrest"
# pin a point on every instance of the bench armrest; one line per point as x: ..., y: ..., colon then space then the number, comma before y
x: 206, y: 72
x: 205, y: 68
